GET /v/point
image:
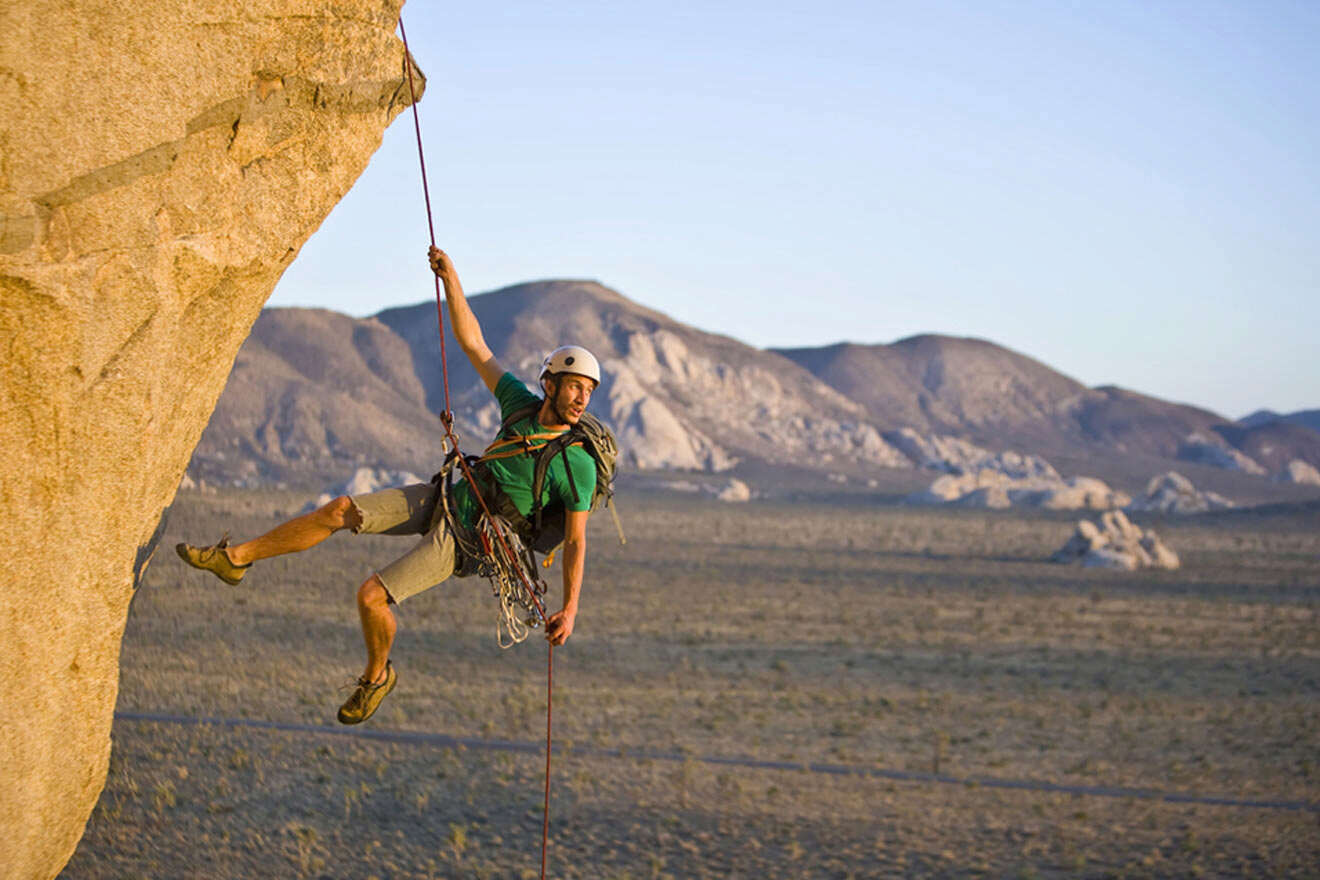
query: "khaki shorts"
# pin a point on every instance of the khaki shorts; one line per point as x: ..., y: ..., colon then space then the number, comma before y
x: 408, y: 510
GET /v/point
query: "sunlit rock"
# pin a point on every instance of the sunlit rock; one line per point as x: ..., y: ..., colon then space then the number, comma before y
x: 161, y: 164
x: 1173, y: 493
x: 1115, y: 542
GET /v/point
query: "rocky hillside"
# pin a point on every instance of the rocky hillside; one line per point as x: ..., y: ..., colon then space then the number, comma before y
x: 997, y: 397
x: 315, y: 395
x: 1308, y: 418
x: 1274, y: 444
x: 946, y: 385
x: 313, y: 390
x: 317, y: 392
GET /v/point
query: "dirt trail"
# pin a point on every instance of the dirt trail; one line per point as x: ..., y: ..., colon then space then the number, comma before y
x: 441, y: 740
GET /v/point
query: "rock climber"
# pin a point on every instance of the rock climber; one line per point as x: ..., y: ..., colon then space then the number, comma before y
x: 568, y: 377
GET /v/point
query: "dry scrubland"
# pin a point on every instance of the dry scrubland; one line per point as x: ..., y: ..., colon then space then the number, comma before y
x: 877, y: 637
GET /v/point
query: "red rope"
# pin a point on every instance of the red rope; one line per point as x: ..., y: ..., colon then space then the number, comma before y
x: 549, y: 687
x: 447, y: 418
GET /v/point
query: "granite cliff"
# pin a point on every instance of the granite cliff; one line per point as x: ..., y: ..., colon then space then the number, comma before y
x: 161, y: 164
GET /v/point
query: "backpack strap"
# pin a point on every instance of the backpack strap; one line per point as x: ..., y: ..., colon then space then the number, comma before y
x: 572, y: 484
x: 519, y: 414
x: 557, y: 446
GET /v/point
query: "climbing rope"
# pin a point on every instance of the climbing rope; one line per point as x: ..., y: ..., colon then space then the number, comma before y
x: 500, y: 547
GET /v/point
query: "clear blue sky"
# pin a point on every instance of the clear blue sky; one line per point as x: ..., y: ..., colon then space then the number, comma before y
x: 1129, y: 192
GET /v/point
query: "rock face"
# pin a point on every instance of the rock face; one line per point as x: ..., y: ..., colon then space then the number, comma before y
x: 953, y: 455
x: 1201, y: 449
x: 1116, y: 542
x: 975, y: 477
x: 1174, y: 493
x: 160, y: 166
x: 1299, y: 472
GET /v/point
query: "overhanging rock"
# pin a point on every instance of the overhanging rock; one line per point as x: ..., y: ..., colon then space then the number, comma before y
x: 161, y: 164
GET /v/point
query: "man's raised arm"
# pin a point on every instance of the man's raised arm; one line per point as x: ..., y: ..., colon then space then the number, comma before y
x: 466, y: 329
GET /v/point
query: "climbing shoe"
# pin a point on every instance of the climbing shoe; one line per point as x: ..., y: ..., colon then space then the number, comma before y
x: 214, y: 559
x: 366, y: 697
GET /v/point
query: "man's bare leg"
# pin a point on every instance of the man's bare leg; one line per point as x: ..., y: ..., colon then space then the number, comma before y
x: 299, y: 533
x: 378, y: 626
x: 379, y: 677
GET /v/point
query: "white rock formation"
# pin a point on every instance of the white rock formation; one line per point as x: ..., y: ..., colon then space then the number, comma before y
x: 364, y: 480
x: 666, y: 400
x: 1200, y: 449
x: 978, y: 478
x: 1174, y: 493
x: 1299, y: 472
x: 1116, y: 542
x: 650, y: 435
x: 955, y: 455
x: 732, y: 490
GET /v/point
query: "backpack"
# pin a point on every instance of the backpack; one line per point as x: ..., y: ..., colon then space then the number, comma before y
x: 543, y: 528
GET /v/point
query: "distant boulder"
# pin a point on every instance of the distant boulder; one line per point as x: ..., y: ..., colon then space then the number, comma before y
x: 1071, y: 493
x: 364, y: 481
x: 731, y: 490
x: 735, y: 491
x: 1174, y: 493
x: 1006, y: 479
x: 1198, y: 448
x: 1299, y: 472
x: 1115, y: 542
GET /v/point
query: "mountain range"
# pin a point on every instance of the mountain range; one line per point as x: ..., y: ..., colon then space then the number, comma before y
x: 315, y: 393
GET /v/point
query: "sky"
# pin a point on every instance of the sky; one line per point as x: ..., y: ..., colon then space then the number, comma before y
x: 1127, y: 192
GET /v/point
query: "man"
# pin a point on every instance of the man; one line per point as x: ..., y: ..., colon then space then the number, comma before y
x: 568, y: 377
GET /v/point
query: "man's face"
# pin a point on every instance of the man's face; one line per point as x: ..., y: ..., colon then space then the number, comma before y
x: 571, y: 395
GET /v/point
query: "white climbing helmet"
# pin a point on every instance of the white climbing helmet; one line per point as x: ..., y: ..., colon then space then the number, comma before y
x: 571, y: 359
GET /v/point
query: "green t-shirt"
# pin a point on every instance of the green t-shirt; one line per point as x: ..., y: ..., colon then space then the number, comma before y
x: 515, y: 472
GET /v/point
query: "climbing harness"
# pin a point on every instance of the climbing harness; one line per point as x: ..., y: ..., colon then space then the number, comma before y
x: 496, y: 539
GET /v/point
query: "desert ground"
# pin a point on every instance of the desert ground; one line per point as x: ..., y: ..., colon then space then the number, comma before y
x: 772, y: 689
